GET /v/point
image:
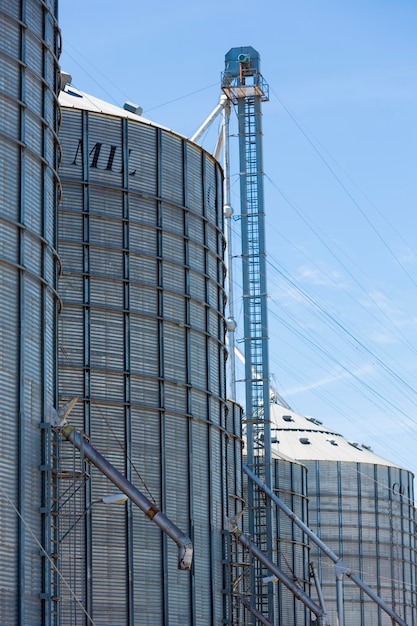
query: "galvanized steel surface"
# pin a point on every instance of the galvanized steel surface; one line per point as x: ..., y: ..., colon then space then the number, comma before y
x: 291, y: 545
x: 234, y: 557
x: 142, y: 343
x: 29, y: 48
x: 362, y: 507
x: 365, y: 513
x: 185, y: 547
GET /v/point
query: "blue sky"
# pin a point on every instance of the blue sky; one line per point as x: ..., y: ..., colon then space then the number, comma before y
x: 340, y: 146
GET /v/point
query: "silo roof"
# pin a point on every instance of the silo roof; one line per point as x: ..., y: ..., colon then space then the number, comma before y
x: 307, y: 439
x: 71, y: 97
x: 280, y: 456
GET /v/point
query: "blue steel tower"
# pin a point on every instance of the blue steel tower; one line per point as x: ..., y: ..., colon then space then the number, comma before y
x: 245, y: 87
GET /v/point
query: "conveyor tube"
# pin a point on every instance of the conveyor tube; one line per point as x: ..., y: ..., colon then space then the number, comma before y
x: 185, y: 547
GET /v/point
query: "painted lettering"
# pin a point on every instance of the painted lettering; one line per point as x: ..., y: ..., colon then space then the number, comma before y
x: 95, y: 151
x: 79, y: 148
x: 100, y: 149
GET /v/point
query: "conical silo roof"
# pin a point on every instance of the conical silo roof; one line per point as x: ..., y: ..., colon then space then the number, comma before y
x: 308, y: 439
x: 71, y: 97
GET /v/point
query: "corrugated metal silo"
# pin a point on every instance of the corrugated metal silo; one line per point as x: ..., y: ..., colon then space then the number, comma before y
x: 234, y: 506
x: 291, y: 545
x: 29, y: 51
x: 362, y: 507
x: 142, y: 345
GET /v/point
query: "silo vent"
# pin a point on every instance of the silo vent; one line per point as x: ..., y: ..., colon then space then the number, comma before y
x: 70, y: 92
x: 332, y: 442
x: 65, y: 79
x: 314, y: 421
x: 133, y: 108
x: 366, y: 447
x: 355, y: 444
x: 287, y: 418
x: 305, y: 440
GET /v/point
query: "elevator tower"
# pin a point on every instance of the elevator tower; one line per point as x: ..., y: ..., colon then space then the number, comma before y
x: 245, y: 87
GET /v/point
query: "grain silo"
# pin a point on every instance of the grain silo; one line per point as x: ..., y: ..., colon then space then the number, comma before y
x: 29, y: 77
x: 362, y: 507
x: 291, y: 545
x: 141, y: 343
x: 291, y: 549
x: 234, y: 557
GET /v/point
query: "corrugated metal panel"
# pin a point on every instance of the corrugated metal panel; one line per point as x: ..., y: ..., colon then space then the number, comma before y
x: 233, y: 553
x: 172, y: 182
x: 28, y: 193
x: 173, y: 247
x: 10, y: 391
x: 106, y: 232
x: 145, y: 268
x: 198, y: 349
x: 216, y: 364
x: 365, y: 513
x: 104, y: 143
x: 194, y: 175
x: 292, y: 550
x: 173, y: 305
x: 143, y: 162
x: 71, y: 166
x: 141, y: 314
x: 196, y: 232
x: 197, y: 283
x: 10, y: 33
x: 108, y: 557
x: 106, y: 293
x: 145, y: 392
x: 202, y: 518
x: 105, y: 261
x: 197, y: 316
x: 173, y: 220
x: 143, y: 210
x: 144, y: 345
x: 71, y: 223
x: 173, y: 276
x: 143, y: 239
x: 211, y: 180
x: 175, y: 357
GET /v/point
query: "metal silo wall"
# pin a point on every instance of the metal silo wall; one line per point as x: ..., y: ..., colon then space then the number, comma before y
x: 142, y: 345
x: 292, y: 550
x: 234, y: 504
x: 365, y: 513
x: 29, y: 48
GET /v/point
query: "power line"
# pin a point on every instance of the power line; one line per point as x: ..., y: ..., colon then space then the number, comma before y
x: 343, y: 186
x: 338, y: 325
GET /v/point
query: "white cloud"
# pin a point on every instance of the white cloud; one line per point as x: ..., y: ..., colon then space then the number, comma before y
x: 316, y: 276
x: 383, y: 338
x: 385, y: 304
x: 328, y: 380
